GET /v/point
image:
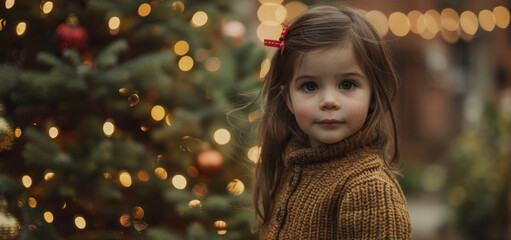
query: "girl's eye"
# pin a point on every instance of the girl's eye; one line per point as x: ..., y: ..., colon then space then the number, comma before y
x: 309, y: 86
x: 347, y: 85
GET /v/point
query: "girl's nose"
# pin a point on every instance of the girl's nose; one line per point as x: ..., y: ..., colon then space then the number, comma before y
x: 329, y: 101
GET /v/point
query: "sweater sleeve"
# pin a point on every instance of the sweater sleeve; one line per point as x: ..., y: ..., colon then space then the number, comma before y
x: 373, y: 209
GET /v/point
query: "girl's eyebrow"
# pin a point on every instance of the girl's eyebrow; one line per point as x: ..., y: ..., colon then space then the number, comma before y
x: 351, y: 74
x: 304, y: 77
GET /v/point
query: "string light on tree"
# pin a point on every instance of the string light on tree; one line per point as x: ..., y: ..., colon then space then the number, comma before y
x: 125, y: 179
x: 161, y: 173
x: 158, y: 113
x: 47, y: 7
x: 108, y: 127
x: 48, y: 175
x: 32, y: 202
x: 143, y: 176
x: 181, y: 47
x: 125, y: 220
x: 178, y: 6
x: 48, y: 216
x: 213, y: 64
x: 53, y: 132
x: 179, y: 182
x: 80, y: 222
x: 195, y: 203
x: 185, y: 63
x: 9, y: 4
x: 450, y: 19
x: 113, y: 24
x: 272, y: 12
x: 222, y: 136
x: 20, y: 28
x: 138, y: 212
x: 221, y: 227
x: 399, y: 24
x: 235, y: 187
x: 253, y: 153
x: 379, y: 21
x: 144, y: 9
x: 199, y: 19
x: 27, y: 181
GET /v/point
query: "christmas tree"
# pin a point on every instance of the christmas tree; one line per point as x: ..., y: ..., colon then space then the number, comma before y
x: 124, y: 119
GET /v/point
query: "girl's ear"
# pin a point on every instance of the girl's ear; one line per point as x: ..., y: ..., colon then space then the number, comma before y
x: 285, y: 95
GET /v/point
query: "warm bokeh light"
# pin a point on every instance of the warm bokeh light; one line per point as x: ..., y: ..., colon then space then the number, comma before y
x: 433, y: 21
x: 9, y: 4
x: 379, y: 21
x: 413, y: 17
x: 27, y: 181
x: 450, y: 36
x: 178, y: 6
x: 181, y: 47
x: 138, y: 212
x: 222, y: 136
x: 270, y: 1
x: 253, y: 153
x: 48, y: 175
x: 294, y: 9
x: 108, y: 127
x: 195, y: 203
x: 125, y: 179
x: 235, y: 187
x: 20, y: 28
x: 169, y: 119
x: 199, y: 19
x: 487, y: 20
x: 234, y: 29
x: 501, y: 16
x: 449, y: 19
x: 53, y: 132
x: 179, y: 182
x: 200, y: 190
x: 221, y: 227
x: 48, y: 217
x: 192, y: 171
x: 133, y: 99
x: 399, y: 24
x: 426, y: 24
x: 468, y: 22
x: 213, y: 64
x: 265, y: 68
x: 125, y: 220
x: 161, y: 173
x: 114, y: 23
x: 47, y: 7
x: 80, y: 222
x: 143, y: 176
x: 17, y: 132
x: 144, y: 9
x: 269, y: 30
x: 107, y: 176
x: 185, y: 63
x: 64, y: 205
x: 272, y: 12
x: 158, y: 113
x: 32, y: 202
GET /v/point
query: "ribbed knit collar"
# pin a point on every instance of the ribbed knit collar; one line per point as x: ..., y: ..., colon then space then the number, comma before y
x: 300, y: 152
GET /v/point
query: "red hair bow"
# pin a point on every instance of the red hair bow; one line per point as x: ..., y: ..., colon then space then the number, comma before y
x: 280, y: 43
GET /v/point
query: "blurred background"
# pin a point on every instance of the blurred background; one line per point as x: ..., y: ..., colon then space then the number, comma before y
x: 120, y: 119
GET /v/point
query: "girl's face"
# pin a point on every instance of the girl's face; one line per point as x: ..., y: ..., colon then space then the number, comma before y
x: 329, y: 95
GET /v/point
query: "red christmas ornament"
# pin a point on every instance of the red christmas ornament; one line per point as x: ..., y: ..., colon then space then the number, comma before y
x: 70, y: 34
x: 209, y: 163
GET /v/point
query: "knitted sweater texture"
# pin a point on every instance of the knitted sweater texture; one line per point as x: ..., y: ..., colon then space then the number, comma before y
x: 337, y: 191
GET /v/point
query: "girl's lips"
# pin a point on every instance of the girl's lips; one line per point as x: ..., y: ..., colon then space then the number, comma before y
x: 329, y: 123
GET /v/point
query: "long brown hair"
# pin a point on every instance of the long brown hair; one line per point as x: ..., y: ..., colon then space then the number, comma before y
x: 319, y: 27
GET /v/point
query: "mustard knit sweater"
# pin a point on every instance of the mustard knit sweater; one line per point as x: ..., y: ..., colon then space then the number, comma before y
x: 337, y: 191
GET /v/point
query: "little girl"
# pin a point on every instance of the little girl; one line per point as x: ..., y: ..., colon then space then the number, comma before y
x: 323, y: 172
